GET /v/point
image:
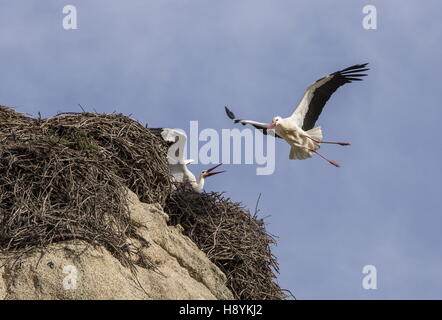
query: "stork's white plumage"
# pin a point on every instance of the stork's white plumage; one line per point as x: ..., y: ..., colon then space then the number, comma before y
x: 298, y: 129
x: 178, y: 165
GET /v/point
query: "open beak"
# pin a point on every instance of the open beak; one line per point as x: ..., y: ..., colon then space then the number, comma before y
x: 272, y: 125
x: 210, y: 173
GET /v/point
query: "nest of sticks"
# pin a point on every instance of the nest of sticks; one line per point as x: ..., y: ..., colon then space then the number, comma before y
x: 64, y: 178
x: 233, y: 239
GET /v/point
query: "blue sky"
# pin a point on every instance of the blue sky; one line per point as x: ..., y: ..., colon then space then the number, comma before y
x: 169, y: 62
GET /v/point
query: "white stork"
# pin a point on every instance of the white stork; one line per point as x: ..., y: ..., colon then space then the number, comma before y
x: 178, y: 165
x: 298, y: 129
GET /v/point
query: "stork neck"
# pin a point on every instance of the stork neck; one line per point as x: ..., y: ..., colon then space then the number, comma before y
x: 199, y: 183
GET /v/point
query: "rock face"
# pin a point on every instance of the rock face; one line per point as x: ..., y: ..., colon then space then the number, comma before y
x: 75, y: 270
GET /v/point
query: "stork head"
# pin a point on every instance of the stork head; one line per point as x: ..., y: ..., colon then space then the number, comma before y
x: 209, y: 172
x: 275, y: 121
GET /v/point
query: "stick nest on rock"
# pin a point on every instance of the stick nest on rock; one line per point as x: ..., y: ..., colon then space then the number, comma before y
x: 64, y: 178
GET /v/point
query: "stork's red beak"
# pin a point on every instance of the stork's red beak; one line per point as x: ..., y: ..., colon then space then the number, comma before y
x: 210, y: 173
x: 272, y: 125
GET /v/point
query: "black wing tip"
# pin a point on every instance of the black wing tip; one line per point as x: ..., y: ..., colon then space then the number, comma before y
x: 356, y: 66
x: 229, y: 113
x: 232, y: 116
x: 353, y: 73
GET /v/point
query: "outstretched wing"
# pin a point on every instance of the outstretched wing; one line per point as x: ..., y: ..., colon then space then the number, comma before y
x: 258, y: 125
x: 307, y: 112
x: 175, y: 155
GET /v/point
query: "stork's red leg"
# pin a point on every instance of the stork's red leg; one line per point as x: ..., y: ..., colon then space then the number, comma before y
x: 340, y: 143
x: 328, y: 142
x: 329, y: 161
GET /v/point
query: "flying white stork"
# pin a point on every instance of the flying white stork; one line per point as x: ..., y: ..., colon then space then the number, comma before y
x: 178, y: 165
x: 298, y: 129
